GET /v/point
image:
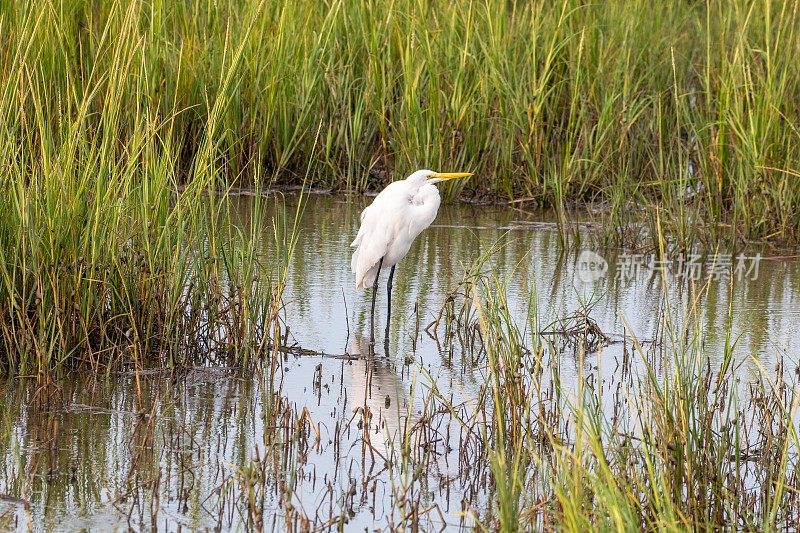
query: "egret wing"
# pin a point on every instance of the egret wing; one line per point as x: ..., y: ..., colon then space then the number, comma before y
x: 389, y: 226
x: 375, y: 235
x: 371, y: 243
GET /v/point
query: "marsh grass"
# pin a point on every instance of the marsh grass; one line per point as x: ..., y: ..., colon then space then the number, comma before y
x: 120, y: 122
x: 670, y: 440
x: 120, y: 118
x: 112, y: 253
x: 690, y: 107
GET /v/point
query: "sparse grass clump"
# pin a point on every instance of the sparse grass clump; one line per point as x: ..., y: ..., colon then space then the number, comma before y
x: 670, y: 440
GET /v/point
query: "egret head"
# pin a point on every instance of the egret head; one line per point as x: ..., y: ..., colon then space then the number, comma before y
x: 429, y: 176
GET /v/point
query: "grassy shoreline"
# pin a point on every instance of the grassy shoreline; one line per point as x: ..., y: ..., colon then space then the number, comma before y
x: 688, y: 108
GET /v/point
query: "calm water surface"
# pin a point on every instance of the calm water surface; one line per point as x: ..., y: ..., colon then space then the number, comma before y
x: 91, y: 456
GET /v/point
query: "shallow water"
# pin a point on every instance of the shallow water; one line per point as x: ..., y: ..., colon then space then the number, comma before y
x: 164, y: 452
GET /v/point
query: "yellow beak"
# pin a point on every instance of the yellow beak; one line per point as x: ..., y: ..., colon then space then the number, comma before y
x: 451, y: 175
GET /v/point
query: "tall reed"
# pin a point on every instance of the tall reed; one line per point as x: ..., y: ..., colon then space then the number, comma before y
x: 688, y: 106
x: 111, y: 251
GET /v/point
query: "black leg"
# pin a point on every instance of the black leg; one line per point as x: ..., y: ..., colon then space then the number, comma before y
x: 388, y: 308
x: 374, y: 294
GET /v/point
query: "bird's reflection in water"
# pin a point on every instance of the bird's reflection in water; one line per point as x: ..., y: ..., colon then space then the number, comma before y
x: 377, y: 393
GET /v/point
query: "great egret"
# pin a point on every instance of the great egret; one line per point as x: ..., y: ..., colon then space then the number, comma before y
x: 388, y: 227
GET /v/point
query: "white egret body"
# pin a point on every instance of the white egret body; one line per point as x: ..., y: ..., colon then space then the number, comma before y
x: 391, y: 223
